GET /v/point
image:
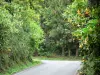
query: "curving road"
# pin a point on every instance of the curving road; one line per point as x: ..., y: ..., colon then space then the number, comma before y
x: 53, y: 68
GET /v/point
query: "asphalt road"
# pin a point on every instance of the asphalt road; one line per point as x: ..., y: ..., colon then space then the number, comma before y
x: 53, y: 68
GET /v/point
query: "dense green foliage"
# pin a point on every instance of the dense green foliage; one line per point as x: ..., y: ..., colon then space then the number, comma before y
x: 50, y: 27
x: 58, y: 32
x: 85, y: 17
x: 20, y: 32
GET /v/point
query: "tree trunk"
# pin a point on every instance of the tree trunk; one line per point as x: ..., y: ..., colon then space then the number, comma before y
x: 63, y: 51
x: 76, y: 52
x: 69, y: 52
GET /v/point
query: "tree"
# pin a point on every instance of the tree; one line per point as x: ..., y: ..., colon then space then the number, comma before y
x: 86, y: 29
x: 20, y: 32
x: 57, y: 31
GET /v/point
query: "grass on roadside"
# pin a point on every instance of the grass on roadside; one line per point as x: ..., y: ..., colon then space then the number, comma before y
x: 36, y: 61
x: 71, y: 58
x: 20, y: 67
